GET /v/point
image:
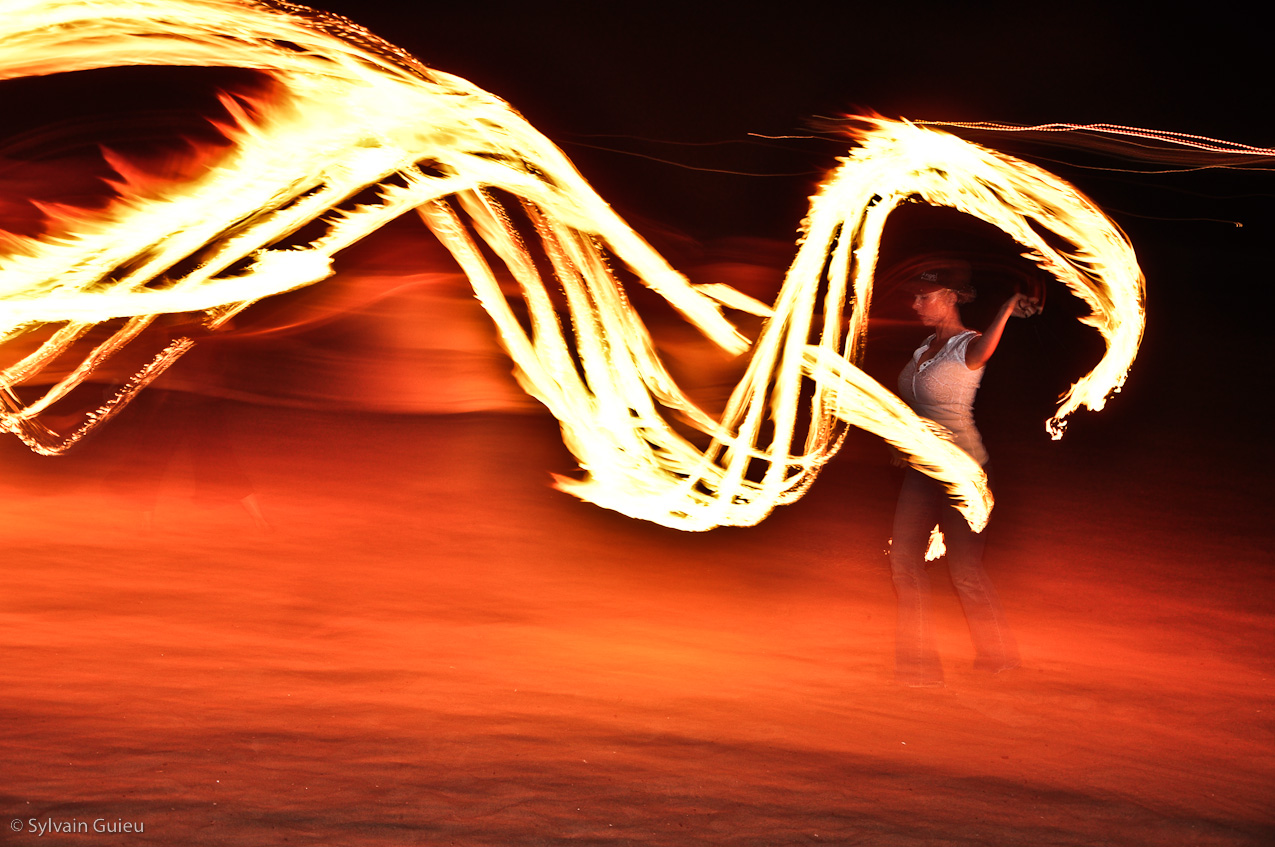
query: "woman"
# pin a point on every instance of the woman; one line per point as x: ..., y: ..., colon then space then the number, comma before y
x: 939, y: 383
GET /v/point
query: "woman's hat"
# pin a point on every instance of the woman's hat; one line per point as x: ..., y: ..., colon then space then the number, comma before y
x: 938, y: 274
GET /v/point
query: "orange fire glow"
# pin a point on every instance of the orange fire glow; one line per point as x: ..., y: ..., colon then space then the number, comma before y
x: 356, y: 113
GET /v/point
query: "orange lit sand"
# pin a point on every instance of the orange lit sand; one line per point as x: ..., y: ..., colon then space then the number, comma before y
x: 436, y: 649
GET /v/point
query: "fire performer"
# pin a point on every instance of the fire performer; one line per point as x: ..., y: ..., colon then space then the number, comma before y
x: 939, y: 383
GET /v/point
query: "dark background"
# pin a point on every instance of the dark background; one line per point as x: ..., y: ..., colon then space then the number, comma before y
x: 620, y: 86
x: 689, y: 83
x: 704, y: 73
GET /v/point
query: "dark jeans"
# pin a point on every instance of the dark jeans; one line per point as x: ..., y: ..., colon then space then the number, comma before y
x: 922, y: 504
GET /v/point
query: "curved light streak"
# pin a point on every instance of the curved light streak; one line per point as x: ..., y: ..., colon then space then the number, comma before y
x: 356, y: 112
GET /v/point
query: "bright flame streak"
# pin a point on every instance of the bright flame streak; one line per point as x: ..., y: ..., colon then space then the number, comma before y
x: 358, y: 112
x: 1179, y: 139
x: 897, y: 162
x: 437, y: 134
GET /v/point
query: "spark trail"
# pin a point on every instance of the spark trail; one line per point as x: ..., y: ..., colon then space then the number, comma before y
x: 353, y: 112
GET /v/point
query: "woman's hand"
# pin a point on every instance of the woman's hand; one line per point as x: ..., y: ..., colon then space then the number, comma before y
x: 981, y: 349
x: 1023, y: 306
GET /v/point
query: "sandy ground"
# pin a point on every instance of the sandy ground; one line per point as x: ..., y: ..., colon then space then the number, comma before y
x: 433, y: 647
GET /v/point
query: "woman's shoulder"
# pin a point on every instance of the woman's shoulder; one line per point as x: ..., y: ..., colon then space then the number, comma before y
x: 958, y: 342
x: 961, y: 345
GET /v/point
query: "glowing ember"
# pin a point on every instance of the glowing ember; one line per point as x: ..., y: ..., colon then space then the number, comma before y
x: 354, y: 112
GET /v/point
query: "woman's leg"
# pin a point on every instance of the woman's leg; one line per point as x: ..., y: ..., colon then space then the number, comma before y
x: 921, y: 502
x: 994, y: 644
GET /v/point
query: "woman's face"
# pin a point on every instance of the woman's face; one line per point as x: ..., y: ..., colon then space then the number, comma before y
x: 932, y: 307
